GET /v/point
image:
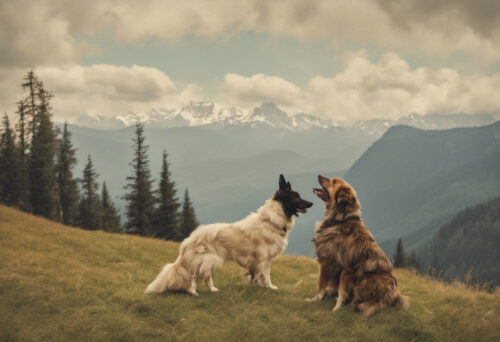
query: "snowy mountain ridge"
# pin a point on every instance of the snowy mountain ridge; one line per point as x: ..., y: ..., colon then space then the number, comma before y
x: 205, y: 113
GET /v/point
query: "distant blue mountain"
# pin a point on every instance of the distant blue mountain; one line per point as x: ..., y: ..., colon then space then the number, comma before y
x: 232, y: 169
x: 411, y: 181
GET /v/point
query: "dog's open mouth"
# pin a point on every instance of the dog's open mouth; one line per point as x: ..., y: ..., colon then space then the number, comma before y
x: 302, y: 210
x: 322, y: 193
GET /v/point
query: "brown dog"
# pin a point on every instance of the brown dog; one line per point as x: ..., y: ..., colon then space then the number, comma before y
x: 351, y: 262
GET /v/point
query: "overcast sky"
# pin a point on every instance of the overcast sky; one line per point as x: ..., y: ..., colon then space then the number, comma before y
x: 340, y: 60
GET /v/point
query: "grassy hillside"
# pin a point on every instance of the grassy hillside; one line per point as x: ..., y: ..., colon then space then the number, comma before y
x: 62, y: 284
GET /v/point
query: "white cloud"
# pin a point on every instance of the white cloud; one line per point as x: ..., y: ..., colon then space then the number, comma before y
x: 48, y: 32
x: 258, y: 88
x: 341, y: 22
x: 99, y: 89
x: 36, y: 33
x: 366, y: 88
x: 388, y: 88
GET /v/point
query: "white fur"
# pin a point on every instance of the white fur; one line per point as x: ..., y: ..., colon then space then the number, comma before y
x: 252, y: 243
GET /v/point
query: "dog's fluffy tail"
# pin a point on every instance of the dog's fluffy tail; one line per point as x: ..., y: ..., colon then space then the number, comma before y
x: 402, y: 302
x: 172, y: 277
x: 369, y: 308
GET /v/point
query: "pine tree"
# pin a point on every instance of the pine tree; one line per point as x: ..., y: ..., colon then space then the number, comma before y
x: 413, y: 261
x: 110, y: 220
x: 435, y: 270
x: 32, y: 85
x: 67, y: 184
x: 22, y: 133
x: 399, y: 256
x: 10, y: 165
x: 166, y: 220
x: 21, y: 127
x: 188, y: 218
x: 89, y: 208
x: 41, y: 166
x: 140, y: 200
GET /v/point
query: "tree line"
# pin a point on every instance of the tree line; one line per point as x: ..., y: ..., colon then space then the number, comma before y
x: 415, y: 261
x: 466, y: 247
x: 36, y: 175
x: 401, y: 259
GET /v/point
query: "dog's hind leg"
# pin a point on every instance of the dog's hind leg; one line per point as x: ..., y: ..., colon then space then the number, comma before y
x: 194, y: 285
x: 210, y: 283
x: 344, y: 286
x: 250, y: 274
x: 210, y: 261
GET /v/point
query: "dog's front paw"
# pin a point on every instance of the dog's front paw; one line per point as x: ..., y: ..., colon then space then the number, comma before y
x: 316, y: 298
x: 272, y: 287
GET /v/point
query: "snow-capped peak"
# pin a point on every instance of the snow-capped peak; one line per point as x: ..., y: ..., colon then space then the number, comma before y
x: 205, y: 113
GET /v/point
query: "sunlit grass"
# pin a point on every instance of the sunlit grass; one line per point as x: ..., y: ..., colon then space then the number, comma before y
x: 65, y: 284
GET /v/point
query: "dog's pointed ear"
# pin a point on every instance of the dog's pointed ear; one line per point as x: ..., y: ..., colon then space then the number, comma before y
x: 288, y: 187
x: 345, y: 196
x: 323, y: 181
x: 282, y: 183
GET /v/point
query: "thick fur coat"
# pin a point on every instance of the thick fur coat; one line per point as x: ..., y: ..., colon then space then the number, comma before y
x: 351, y: 262
x: 252, y: 243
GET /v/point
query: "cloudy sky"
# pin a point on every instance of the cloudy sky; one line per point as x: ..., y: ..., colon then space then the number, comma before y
x: 340, y: 60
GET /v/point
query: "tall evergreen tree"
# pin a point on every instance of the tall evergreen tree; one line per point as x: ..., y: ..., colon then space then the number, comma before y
x: 188, y: 218
x: 32, y: 85
x: 166, y: 220
x: 435, y: 270
x: 140, y: 200
x: 22, y: 127
x: 110, y: 220
x: 43, y: 194
x: 22, y: 132
x: 10, y: 164
x: 412, y: 260
x: 89, y: 208
x: 399, y: 256
x: 67, y: 184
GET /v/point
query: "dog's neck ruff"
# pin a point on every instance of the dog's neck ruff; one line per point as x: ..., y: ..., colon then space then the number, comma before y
x: 338, y: 218
x: 272, y: 211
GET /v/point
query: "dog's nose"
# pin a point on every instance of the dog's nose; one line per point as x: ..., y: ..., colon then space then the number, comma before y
x: 308, y: 204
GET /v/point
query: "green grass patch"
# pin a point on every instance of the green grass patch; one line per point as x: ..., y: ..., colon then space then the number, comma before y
x: 60, y: 283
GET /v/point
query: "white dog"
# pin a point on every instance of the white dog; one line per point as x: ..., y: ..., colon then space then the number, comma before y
x: 252, y: 242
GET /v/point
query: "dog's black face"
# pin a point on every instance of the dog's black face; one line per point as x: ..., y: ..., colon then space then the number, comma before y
x: 290, y: 199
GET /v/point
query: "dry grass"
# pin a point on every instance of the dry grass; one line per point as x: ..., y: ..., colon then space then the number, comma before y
x: 62, y: 284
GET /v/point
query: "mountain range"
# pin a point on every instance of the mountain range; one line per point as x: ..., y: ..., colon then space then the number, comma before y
x: 206, y: 113
x: 412, y: 181
x: 230, y: 170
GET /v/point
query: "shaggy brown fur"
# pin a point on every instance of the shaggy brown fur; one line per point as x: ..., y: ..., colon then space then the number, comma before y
x: 351, y: 262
